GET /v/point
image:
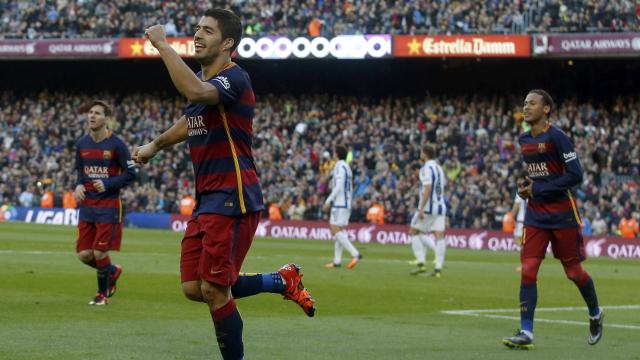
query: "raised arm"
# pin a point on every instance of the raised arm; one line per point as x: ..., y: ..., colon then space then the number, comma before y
x: 187, y: 83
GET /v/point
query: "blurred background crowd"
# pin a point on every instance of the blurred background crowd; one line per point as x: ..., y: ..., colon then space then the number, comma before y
x: 476, y: 142
x: 35, y: 19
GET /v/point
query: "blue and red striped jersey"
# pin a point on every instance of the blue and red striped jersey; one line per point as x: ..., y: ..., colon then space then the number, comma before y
x: 110, y: 161
x: 220, y: 138
x: 553, y: 165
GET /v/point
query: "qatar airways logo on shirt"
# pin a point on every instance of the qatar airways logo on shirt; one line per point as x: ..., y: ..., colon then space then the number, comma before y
x: 538, y: 169
x: 96, y: 172
x: 196, y: 126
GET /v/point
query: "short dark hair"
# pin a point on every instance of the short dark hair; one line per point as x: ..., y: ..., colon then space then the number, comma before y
x: 229, y: 23
x: 430, y: 150
x: 103, y: 103
x: 546, y: 99
x: 416, y: 166
x: 341, y: 151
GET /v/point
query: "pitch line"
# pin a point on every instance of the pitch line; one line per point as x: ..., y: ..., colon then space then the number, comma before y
x: 491, y: 313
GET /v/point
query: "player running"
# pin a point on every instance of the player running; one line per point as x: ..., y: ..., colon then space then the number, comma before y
x: 103, y: 166
x: 553, y: 170
x: 431, y: 212
x: 217, y: 125
x: 340, y: 203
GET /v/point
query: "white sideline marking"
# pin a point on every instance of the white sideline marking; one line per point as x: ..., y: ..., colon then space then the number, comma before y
x: 490, y: 313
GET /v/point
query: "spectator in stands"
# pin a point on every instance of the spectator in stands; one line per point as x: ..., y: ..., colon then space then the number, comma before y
x: 297, y: 209
x: 86, y: 19
x: 375, y: 214
x: 46, y: 201
x: 187, y: 204
x: 476, y: 137
x: 68, y: 201
x: 26, y: 197
x: 628, y: 226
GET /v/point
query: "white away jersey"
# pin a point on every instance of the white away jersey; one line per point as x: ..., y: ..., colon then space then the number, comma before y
x: 431, y: 174
x: 341, y: 185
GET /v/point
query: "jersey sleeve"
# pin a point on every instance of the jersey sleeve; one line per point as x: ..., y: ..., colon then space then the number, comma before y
x: 128, y: 169
x: 426, y: 175
x: 230, y: 85
x: 339, y: 178
x: 79, y: 172
x: 573, y: 174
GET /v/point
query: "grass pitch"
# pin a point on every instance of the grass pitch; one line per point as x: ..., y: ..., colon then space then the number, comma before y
x: 376, y: 311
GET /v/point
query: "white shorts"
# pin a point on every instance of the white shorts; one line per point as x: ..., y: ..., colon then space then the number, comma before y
x: 339, y: 216
x: 428, y: 223
x: 517, y: 232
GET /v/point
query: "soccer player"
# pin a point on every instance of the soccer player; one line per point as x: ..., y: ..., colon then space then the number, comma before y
x: 519, y: 208
x: 339, y: 201
x: 431, y: 212
x: 218, y: 127
x: 103, y: 166
x: 553, y: 170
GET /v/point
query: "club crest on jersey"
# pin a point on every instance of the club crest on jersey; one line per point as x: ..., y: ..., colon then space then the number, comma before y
x: 107, y: 154
x: 542, y: 148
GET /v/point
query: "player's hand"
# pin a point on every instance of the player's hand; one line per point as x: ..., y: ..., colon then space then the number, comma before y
x: 142, y: 154
x: 525, y: 188
x: 156, y: 35
x: 326, y: 207
x: 420, y: 215
x: 99, y: 185
x: 78, y: 193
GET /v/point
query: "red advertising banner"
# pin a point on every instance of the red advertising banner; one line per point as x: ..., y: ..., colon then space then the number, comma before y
x: 608, y: 246
x: 142, y: 48
x: 613, y: 44
x: 59, y: 48
x: 462, y: 46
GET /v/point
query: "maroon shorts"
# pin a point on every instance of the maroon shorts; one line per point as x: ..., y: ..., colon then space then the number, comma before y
x: 214, y: 247
x: 98, y: 236
x: 566, y: 243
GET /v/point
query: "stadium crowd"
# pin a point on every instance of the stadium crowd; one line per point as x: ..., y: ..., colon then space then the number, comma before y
x: 294, y: 135
x: 127, y: 18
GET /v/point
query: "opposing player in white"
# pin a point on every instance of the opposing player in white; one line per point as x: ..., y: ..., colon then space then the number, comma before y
x: 340, y: 203
x: 431, y: 212
x: 519, y: 208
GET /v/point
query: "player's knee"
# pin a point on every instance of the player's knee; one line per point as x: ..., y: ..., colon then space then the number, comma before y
x: 216, y: 294
x: 575, y: 272
x: 99, y: 255
x: 191, y: 291
x: 529, y: 274
x: 85, y: 256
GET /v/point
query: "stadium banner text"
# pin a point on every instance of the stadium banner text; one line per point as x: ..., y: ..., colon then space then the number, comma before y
x: 606, y: 246
x: 568, y: 45
x: 276, y: 47
x: 462, y: 46
x: 59, y: 48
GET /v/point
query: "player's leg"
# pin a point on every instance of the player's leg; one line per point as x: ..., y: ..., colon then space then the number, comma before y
x: 517, y: 237
x: 535, y: 242
x: 84, y: 243
x: 224, y: 247
x: 568, y: 246
x: 108, y: 237
x: 436, y: 223
x: 340, y: 225
x: 419, y: 251
x: 191, y: 251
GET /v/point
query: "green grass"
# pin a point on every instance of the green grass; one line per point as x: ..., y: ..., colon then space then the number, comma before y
x: 376, y: 311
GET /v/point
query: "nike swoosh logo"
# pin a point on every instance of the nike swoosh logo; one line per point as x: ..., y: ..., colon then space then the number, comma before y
x: 85, y: 153
x: 102, y: 243
x: 214, y: 272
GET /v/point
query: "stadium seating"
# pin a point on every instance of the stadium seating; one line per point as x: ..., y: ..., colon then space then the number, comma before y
x: 477, y: 144
x: 127, y: 18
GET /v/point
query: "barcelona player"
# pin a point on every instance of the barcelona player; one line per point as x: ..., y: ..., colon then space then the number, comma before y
x: 218, y: 127
x: 103, y: 166
x: 552, y: 217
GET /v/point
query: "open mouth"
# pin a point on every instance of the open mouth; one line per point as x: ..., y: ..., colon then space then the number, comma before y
x: 199, y: 46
